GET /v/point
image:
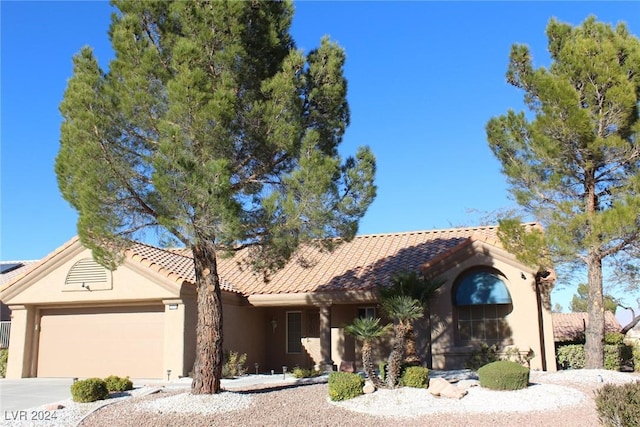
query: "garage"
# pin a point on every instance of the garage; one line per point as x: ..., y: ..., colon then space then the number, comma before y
x: 101, y: 341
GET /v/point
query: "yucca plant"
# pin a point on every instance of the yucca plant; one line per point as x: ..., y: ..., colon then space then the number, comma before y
x: 367, y: 329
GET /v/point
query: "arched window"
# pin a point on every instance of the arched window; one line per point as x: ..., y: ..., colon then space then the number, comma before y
x: 481, y: 303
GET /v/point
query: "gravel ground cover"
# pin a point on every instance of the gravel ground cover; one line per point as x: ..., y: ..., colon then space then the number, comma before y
x: 553, y: 399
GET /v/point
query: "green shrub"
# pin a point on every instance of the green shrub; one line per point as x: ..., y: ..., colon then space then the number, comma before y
x: 115, y: 383
x: 636, y: 357
x: 619, y: 405
x: 613, y: 338
x: 415, y: 376
x: 344, y: 385
x: 481, y: 356
x: 571, y: 356
x: 4, y: 356
x: 305, y: 373
x: 612, y: 357
x: 89, y: 390
x: 503, y: 375
x: 234, y: 364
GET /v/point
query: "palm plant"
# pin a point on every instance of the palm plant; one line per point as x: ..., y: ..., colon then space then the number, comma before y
x: 366, y: 329
x: 421, y: 288
x: 403, y: 310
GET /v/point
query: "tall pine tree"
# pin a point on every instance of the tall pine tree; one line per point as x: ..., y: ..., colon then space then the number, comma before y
x: 210, y: 127
x: 574, y: 162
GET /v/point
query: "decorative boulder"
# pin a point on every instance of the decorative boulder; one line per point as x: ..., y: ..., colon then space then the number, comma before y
x: 368, y: 387
x: 453, y: 392
x: 436, y: 385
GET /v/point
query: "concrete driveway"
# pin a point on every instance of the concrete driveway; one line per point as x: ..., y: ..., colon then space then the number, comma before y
x: 26, y: 393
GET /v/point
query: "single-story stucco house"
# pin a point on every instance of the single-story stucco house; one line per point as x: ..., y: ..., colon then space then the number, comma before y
x: 73, y: 318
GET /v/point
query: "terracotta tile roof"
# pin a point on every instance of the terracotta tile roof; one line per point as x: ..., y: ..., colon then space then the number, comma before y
x: 570, y: 326
x: 361, y: 264
x: 172, y: 263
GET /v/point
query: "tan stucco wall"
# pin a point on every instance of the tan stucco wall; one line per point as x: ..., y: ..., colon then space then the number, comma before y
x: 132, y: 285
x: 523, y: 320
x: 246, y: 330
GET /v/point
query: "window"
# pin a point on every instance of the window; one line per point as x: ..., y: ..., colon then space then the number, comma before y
x: 482, y: 303
x: 367, y: 312
x: 294, y: 332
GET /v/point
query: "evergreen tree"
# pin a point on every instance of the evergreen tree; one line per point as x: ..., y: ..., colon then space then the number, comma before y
x: 579, y: 302
x: 211, y: 128
x: 573, y: 163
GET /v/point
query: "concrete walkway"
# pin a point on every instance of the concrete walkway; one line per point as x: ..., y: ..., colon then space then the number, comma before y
x: 25, y: 393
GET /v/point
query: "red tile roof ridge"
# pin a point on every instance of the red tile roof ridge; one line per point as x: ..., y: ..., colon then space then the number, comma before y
x: 435, y: 231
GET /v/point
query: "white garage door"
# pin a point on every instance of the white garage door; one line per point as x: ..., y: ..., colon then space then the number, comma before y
x: 98, y: 342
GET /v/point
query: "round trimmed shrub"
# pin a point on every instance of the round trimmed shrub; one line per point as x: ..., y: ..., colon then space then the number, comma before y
x: 503, y: 375
x: 415, y: 376
x: 89, y: 390
x: 115, y: 383
x: 345, y: 385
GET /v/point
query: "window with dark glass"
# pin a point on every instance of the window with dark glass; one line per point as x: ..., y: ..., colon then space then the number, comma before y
x: 294, y: 332
x: 482, y: 303
x: 366, y: 312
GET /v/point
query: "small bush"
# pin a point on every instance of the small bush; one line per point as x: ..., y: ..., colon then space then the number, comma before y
x: 513, y: 354
x: 613, y: 338
x: 4, y: 356
x: 612, y: 357
x: 482, y: 356
x: 619, y: 405
x: 115, y: 383
x: 344, y: 385
x: 503, y: 375
x: 571, y: 356
x: 234, y: 364
x: 89, y: 390
x: 636, y: 357
x: 415, y: 376
x: 305, y: 373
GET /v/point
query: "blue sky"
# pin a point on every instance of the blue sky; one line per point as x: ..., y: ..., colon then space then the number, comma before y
x: 424, y: 78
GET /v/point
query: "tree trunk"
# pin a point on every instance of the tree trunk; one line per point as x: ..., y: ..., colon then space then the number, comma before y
x: 207, y: 369
x: 394, y: 365
x: 411, y: 356
x: 367, y: 365
x: 594, y: 334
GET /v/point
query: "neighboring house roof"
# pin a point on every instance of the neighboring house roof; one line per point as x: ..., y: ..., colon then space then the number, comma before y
x: 360, y: 264
x: 11, y: 270
x: 571, y: 326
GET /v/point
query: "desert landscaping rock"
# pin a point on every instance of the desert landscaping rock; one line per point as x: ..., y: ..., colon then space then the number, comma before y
x: 553, y: 399
x: 368, y: 388
x: 436, y: 386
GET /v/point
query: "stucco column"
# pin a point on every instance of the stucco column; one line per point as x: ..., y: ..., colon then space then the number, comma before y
x: 174, y: 324
x: 20, y: 342
x: 325, y: 338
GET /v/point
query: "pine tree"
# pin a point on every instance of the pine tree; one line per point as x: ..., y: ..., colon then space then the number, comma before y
x: 573, y: 163
x: 211, y: 128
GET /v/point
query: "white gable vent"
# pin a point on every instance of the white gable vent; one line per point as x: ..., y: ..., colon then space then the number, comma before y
x: 87, y: 275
